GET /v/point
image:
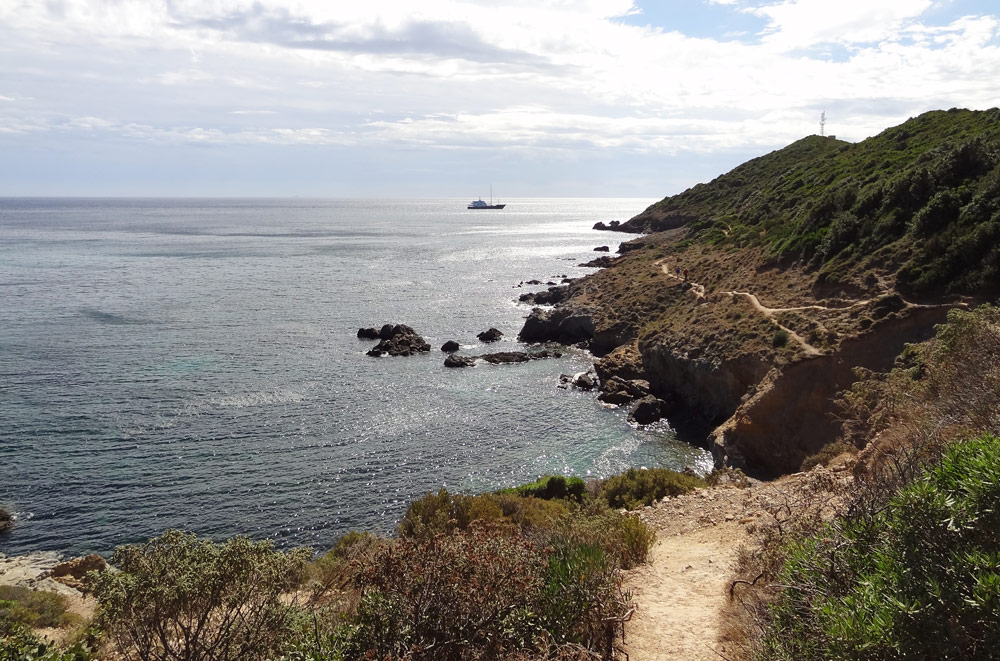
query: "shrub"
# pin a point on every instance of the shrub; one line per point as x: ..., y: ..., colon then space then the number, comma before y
x: 919, y: 579
x: 444, y: 512
x: 552, y: 487
x: 486, y: 592
x: 34, y: 608
x: 780, y: 338
x: 179, y: 597
x: 638, y: 487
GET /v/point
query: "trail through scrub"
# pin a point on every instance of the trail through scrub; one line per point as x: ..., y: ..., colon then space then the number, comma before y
x: 681, y: 592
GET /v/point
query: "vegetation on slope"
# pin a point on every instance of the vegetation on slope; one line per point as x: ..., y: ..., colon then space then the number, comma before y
x: 919, y: 579
x: 910, y: 567
x: 919, y: 201
x: 525, y: 573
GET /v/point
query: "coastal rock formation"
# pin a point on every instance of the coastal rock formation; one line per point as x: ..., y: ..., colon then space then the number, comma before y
x: 748, y: 301
x: 602, y: 249
x: 6, y: 520
x: 550, y: 296
x: 568, y: 324
x: 507, y: 357
x: 368, y: 334
x: 599, y: 263
x: 399, y: 340
x: 613, y: 225
x: 73, y: 572
x: 491, y: 335
x: 450, y: 346
x: 648, y: 410
x: 500, y: 358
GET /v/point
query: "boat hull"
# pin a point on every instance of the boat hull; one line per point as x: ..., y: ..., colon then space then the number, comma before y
x: 488, y: 206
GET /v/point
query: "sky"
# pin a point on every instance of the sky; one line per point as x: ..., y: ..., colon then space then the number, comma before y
x: 442, y: 98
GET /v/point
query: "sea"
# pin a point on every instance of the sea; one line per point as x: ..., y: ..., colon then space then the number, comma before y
x: 194, y: 364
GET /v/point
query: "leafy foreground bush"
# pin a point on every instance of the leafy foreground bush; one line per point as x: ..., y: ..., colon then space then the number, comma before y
x: 19, y: 643
x: 918, y: 580
x: 179, y: 597
x: 486, y: 592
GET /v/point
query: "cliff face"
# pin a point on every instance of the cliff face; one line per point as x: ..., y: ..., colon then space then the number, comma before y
x: 750, y: 300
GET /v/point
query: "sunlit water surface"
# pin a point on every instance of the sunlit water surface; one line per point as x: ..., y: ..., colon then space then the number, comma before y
x: 193, y: 364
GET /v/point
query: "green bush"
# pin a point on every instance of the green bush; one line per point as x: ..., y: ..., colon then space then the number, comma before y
x: 179, y: 597
x: 918, y: 580
x: 780, y: 338
x: 638, y: 487
x: 552, y: 487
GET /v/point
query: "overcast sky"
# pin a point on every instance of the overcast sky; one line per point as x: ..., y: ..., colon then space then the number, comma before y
x: 429, y: 98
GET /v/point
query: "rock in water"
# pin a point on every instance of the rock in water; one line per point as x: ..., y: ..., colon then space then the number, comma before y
x: 368, y: 334
x: 399, y: 340
x: 602, y: 249
x: 491, y: 335
x: 6, y: 520
x: 648, y: 410
x: 450, y: 346
x: 459, y: 361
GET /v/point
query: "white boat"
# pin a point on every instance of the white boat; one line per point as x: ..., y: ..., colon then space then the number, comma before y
x: 479, y: 204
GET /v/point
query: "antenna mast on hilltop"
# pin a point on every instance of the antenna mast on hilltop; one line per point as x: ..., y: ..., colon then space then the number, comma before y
x: 822, y: 123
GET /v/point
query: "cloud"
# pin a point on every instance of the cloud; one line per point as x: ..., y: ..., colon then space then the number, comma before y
x: 795, y: 24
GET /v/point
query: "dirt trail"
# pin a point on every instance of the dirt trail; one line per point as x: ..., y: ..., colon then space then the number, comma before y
x: 681, y: 592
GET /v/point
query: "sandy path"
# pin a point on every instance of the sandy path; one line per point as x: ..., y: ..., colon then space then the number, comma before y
x: 679, y: 596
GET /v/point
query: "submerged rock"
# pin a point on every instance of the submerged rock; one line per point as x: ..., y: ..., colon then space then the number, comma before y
x: 459, y: 361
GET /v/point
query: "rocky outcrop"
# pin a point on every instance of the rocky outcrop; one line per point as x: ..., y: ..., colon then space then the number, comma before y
x: 550, y: 296
x: 600, y: 262
x: 648, y: 410
x: 500, y: 358
x: 568, y: 325
x: 491, y: 335
x: 602, y: 249
x: 790, y: 414
x: 450, y: 346
x: 399, y: 340
x: 614, y: 225
x: 6, y: 520
x: 704, y: 386
x: 33, y: 571
x: 74, y: 572
x: 506, y: 357
x: 368, y: 334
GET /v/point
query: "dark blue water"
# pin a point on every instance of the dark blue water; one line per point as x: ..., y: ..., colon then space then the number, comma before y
x: 193, y: 364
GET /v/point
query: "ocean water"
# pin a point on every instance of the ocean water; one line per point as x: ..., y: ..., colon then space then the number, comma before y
x: 193, y: 364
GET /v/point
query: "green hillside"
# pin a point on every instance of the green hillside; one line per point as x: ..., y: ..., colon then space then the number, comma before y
x: 920, y: 201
